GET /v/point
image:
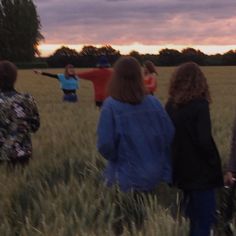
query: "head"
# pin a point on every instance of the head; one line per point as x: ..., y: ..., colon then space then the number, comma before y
x: 8, y: 76
x: 149, y: 67
x: 127, y: 84
x: 103, y: 62
x: 69, y: 70
x: 188, y: 82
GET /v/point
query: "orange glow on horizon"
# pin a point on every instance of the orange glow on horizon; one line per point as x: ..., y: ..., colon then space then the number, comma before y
x: 48, y: 49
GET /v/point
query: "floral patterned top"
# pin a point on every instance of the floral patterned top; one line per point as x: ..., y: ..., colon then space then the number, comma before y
x: 18, y: 118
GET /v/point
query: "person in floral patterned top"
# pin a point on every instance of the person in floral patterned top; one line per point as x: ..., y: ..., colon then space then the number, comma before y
x: 19, y: 118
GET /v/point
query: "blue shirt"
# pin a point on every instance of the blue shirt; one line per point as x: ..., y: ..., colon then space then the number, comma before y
x: 136, y: 140
x: 70, y: 83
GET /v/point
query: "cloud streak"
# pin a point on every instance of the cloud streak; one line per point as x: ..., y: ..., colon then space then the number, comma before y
x: 147, y: 22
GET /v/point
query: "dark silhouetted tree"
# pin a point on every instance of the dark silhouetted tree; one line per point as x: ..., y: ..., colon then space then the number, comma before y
x: 89, y: 51
x: 65, y: 52
x: 191, y: 54
x: 64, y: 56
x: 110, y: 52
x: 136, y: 55
x: 229, y: 58
x: 19, y: 30
x: 169, y: 57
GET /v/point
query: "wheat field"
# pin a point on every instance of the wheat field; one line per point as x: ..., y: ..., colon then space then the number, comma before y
x: 61, y: 192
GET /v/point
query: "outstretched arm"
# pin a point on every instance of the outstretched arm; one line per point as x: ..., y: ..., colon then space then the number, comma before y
x: 88, y: 75
x: 39, y: 72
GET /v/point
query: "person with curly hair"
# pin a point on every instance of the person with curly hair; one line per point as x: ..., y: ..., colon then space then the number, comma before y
x: 196, y: 161
x: 19, y: 118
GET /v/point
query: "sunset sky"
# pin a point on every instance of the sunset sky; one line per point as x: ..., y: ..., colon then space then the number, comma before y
x: 143, y: 25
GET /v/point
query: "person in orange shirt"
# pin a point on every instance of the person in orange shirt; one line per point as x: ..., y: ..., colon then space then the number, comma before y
x: 150, y: 78
x: 100, y: 77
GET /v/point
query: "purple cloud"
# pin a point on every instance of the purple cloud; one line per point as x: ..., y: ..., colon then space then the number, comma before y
x: 147, y: 22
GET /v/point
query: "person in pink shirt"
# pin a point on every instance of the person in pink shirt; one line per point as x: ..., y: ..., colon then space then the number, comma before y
x: 150, y: 78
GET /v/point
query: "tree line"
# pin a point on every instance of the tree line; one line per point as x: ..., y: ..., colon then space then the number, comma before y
x: 89, y: 55
x: 20, y: 36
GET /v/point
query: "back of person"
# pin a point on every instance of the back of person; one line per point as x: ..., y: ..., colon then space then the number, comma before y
x: 18, y: 118
x: 196, y: 161
x: 194, y: 147
x: 144, y: 132
x: 134, y: 136
x: 102, y: 77
x: 134, y: 132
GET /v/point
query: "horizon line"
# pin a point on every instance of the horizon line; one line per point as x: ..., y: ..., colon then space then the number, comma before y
x: 48, y: 49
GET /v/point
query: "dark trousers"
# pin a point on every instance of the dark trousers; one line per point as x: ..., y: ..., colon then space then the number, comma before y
x: 70, y: 98
x: 99, y: 104
x: 200, y: 208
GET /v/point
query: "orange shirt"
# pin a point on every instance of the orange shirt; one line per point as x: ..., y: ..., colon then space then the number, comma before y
x: 100, y: 79
x: 150, y: 82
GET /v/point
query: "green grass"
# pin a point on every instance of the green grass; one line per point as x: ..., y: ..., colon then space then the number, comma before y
x: 61, y: 192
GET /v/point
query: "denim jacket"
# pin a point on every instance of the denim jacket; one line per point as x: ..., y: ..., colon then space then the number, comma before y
x: 136, y: 140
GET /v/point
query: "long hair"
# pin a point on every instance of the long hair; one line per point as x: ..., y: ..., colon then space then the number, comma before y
x: 188, y: 82
x: 127, y: 83
x: 150, y: 67
x: 8, y: 75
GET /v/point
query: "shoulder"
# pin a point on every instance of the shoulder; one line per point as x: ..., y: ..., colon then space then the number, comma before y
x: 107, y: 71
x: 27, y: 98
x: 154, y: 100
x: 61, y: 76
x: 110, y: 102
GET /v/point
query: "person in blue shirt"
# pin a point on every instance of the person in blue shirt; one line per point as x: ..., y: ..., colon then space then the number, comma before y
x: 134, y: 136
x: 69, y: 82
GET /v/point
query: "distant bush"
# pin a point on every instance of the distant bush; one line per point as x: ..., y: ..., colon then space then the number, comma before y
x: 31, y: 65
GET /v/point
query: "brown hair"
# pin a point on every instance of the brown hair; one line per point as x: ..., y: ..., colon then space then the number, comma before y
x: 8, y: 75
x: 150, y: 67
x: 69, y: 66
x: 127, y: 84
x: 188, y: 82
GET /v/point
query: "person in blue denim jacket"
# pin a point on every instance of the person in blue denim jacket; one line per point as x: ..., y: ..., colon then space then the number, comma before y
x: 134, y: 133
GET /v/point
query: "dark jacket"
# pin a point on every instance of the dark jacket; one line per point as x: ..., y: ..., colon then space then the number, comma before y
x: 196, y: 160
x: 232, y: 161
